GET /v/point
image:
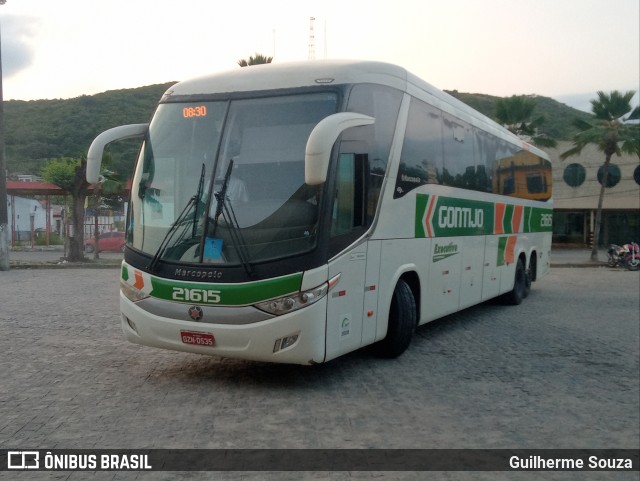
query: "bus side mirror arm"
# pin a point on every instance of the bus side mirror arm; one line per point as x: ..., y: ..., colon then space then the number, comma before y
x: 323, y: 136
x: 96, y: 150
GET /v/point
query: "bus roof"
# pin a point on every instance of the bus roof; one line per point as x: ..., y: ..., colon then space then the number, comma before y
x: 335, y: 72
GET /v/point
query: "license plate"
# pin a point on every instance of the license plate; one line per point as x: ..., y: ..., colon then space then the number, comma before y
x: 197, y: 338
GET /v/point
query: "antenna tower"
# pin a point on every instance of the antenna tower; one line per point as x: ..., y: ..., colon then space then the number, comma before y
x: 312, y: 39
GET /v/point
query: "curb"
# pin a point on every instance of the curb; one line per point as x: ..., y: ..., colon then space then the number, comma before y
x: 562, y: 265
x: 66, y: 265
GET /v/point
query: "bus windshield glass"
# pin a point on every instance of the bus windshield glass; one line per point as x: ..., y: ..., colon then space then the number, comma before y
x: 223, y: 182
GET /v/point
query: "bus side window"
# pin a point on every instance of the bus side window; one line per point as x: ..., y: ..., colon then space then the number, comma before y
x: 348, y: 217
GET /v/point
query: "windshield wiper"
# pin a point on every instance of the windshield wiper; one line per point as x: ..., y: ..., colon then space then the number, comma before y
x: 170, y: 233
x: 225, y: 209
x: 192, y: 202
x: 198, y: 194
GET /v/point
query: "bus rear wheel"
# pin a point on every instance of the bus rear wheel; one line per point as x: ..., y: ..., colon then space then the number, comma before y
x: 521, y: 286
x: 402, y: 322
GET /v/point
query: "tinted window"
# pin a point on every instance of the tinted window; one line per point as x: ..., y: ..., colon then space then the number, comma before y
x: 441, y: 149
x: 421, y: 158
x: 459, y: 167
x: 487, y: 155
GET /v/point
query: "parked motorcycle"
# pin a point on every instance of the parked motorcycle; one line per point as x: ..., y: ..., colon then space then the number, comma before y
x: 627, y: 256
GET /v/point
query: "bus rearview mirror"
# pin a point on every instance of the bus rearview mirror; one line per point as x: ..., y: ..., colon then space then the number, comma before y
x: 323, y: 136
x: 96, y: 150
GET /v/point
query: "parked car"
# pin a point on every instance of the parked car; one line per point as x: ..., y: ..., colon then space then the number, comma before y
x: 109, y: 241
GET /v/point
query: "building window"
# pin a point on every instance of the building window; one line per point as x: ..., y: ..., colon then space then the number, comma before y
x: 636, y: 175
x: 574, y: 175
x: 614, y: 175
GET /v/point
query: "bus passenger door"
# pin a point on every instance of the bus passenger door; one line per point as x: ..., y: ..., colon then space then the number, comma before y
x: 348, y: 223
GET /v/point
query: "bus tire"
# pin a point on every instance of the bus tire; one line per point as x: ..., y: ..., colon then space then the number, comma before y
x: 527, y: 283
x: 519, y: 291
x: 402, y: 322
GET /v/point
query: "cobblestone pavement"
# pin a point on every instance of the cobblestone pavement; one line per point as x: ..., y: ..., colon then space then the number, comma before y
x: 559, y: 371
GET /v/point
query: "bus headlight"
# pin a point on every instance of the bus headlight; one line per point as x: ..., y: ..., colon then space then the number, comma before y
x: 131, y: 292
x: 286, y: 304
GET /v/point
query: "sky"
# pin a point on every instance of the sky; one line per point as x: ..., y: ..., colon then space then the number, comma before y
x: 564, y: 49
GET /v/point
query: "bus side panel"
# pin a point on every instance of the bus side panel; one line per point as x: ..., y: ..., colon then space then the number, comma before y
x: 473, y: 252
x: 371, y: 292
x: 491, y: 271
x: 442, y: 291
x: 345, y: 302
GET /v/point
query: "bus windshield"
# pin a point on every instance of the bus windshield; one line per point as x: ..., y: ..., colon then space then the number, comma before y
x: 222, y: 182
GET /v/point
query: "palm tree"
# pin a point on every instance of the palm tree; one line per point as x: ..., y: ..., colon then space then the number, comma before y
x: 515, y: 114
x: 610, y: 132
x: 256, y: 59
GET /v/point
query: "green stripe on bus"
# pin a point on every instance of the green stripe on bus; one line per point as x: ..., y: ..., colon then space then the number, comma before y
x: 453, y: 216
x: 540, y: 220
x: 422, y: 201
x: 225, y: 294
x: 502, y: 245
x: 507, y: 219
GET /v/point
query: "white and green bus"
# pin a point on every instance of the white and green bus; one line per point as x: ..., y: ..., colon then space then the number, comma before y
x: 296, y: 212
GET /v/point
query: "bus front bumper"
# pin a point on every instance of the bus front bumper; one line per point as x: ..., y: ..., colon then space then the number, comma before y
x: 294, y: 338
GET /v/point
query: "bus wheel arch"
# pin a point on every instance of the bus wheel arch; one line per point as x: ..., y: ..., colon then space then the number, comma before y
x: 403, y: 317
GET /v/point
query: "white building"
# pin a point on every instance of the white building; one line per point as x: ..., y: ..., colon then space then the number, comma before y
x: 22, y: 212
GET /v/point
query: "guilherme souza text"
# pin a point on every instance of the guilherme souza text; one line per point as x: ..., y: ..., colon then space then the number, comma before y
x: 560, y: 464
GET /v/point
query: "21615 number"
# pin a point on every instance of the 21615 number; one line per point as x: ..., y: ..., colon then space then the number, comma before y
x: 207, y: 296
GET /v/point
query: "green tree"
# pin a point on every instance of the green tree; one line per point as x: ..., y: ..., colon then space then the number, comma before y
x: 516, y: 113
x: 256, y: 59
x: 70, y: 175
x: 610, y: 132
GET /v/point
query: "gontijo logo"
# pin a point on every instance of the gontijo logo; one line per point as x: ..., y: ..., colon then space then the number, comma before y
x: 438, y: 216
x: 450, y: 217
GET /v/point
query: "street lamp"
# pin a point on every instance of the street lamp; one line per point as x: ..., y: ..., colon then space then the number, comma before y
x: 4, y: 215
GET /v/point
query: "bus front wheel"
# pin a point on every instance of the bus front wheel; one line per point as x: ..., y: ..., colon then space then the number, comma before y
x: 402, y: 322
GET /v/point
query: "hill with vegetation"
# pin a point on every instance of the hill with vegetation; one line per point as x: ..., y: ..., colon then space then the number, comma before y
x: 39, y: 130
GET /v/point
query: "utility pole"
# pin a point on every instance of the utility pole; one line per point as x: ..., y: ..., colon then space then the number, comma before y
x: 4, y: 215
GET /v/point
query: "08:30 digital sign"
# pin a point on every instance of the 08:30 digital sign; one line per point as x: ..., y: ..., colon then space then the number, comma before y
x: 194, y: 112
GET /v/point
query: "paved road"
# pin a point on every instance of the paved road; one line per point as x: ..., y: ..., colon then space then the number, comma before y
x: 39, y: 255
x: 559, y: 371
